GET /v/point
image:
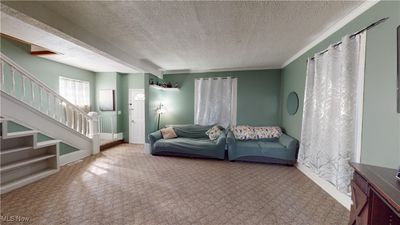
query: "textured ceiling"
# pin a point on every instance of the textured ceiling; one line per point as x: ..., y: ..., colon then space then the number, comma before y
x: 205, y: 35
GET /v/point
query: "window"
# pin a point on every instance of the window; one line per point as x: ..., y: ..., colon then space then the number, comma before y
x: 75, y: 91
x: 215, y: 101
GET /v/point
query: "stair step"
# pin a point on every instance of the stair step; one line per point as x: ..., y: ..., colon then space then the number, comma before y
x: 20, y: 134
x: 25, y: 162
x: 47, y: 143
x: 26, y: 180
x: 12, y: 150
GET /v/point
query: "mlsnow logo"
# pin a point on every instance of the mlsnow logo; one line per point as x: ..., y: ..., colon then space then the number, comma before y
x: 14, y: 218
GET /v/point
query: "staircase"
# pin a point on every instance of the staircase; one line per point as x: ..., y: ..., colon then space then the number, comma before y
x: 29, y: 102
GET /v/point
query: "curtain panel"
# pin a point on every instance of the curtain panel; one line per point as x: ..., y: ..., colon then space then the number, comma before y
x: 332, y: 113
x: 215, y: 101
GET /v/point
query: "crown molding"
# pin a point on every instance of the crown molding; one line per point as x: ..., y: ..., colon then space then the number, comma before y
x: 218, y: 70
x: 335, y: 27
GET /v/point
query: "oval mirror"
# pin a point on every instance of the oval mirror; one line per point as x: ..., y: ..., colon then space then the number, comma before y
x: 292, y: 103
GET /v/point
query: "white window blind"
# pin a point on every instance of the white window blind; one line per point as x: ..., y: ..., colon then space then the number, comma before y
x: 75, y: 91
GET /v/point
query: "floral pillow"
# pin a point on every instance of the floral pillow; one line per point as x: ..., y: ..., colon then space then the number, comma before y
x: 214, y: 132
x: 267, y: 132
x: 243, y: 132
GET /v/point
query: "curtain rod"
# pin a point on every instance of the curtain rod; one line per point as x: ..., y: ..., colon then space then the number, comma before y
x: 354, y: 34
x: 214, y: 78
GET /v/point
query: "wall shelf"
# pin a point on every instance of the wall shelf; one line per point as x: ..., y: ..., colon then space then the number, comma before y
x: 164, y: 88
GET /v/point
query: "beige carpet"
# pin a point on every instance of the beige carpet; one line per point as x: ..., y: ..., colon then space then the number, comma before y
x: 122, y: 185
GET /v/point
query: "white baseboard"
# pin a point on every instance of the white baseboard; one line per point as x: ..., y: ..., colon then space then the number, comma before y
x: 73, y: 156
x: 326, y: 186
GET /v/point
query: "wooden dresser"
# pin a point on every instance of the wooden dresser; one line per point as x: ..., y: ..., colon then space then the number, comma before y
x: 375, y: 195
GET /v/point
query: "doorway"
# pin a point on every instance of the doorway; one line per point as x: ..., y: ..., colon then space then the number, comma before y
x: 136, y: 116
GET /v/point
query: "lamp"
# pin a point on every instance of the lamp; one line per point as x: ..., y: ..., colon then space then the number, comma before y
x: 160, y: 110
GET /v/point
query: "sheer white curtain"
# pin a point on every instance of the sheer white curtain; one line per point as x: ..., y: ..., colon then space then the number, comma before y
x: 215, y: 101
x: 331, y: 129
x: 76, y: 91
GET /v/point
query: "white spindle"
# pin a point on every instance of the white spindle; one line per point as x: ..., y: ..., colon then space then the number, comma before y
x: 82, y: 124
x: 23, y: 87
x: 40, y: 98
x: 2, y: 74
x: 87, y: 127
x: 54, y: 108
x: 66, y: 114
x: 13, y: 81
x: 59, y: 110
x: 62, y: 112
x: 100, y: 124
x: 48, y: 103
x: 33, y: 92
x: 78, y: 122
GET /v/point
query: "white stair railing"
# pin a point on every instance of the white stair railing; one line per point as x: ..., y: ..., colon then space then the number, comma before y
x: 107, y: 125
x: 22, y: 85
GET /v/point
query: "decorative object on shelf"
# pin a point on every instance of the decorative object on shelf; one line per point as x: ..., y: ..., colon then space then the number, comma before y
x: 292, y: 103
x: 107, y: 100
x: 151, y: 82
x: 176, y: 85
x: 164, y: 88
x: 169, y: 85
x: 160, y: 110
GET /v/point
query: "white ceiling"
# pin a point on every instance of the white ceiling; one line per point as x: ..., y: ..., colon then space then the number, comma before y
x: 195, y: 35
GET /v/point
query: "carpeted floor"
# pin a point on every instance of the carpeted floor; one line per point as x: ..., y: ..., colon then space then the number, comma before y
x: 124, y: 186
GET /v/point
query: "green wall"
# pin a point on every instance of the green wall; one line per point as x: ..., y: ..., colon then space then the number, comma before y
x: 45, y: 70
x: 128, y: 81
x: 152, y: 101
x: 258, y: 99
x: 381, y: 122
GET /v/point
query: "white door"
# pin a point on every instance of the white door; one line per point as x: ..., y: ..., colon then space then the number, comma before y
x: 136, y: 116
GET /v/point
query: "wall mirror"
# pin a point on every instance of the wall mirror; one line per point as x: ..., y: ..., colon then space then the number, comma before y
x: 107, y: 100
x: 292, y: 103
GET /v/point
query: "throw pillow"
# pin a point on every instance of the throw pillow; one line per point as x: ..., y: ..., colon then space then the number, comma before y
x: 267, y: 132
x: 168, y: 133
x: 243, y: 132
x: 214, y: 133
